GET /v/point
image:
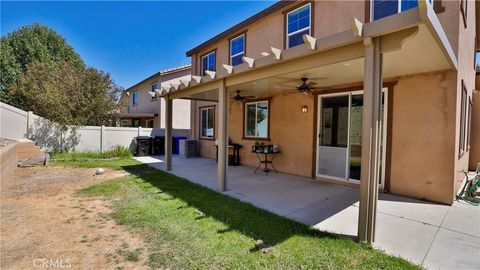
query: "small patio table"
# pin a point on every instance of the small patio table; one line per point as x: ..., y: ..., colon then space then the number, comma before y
x: 263, y: 159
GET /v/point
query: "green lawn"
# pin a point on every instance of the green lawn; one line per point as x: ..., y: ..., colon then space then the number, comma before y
x: 187, y: 226
x: 115, y: 159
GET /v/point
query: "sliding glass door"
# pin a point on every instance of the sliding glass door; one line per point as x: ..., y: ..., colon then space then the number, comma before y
x: 339, y: 148
x: 333, y: 136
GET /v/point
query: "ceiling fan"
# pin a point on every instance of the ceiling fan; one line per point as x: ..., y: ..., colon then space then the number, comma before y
x: 239, y: 97
x: 305, y: 87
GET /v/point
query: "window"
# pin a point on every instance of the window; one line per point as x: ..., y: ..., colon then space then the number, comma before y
x: 135, y: 99
x: 469, y: 119
x: 298, y: 24
x: 237, y: 50
x: 207, y: 122
x: 208, y: 62
x: 256, y: 119
x: 135, y: 123
x: 463, y: 114
x: 149, y: 123
x: 384, y: 8
x: 463, y: 8
x: 154, y: 87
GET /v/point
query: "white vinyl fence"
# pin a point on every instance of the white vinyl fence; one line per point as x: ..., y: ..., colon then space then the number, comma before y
x: 18, y: 124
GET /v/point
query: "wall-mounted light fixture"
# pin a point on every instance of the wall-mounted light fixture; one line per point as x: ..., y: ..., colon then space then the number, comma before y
x: 304, y: 109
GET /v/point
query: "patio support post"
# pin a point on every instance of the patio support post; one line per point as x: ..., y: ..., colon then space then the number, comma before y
x: 222, y: 165
x: 168, y: 133
x: 371, y: 137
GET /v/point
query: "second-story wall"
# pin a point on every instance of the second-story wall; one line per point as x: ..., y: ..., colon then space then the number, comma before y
x: 147, y: 104
x: 328, y: 18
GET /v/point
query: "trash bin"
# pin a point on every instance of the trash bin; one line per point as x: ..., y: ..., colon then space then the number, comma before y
x: 158, y: 145
x: 143, y: 144
x: 176, y: 144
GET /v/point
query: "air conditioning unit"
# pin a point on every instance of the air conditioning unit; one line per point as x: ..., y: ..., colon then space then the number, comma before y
x: 188, y: 148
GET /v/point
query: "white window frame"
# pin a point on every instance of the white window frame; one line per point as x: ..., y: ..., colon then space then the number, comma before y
x: 156, y: 86
x: 201, y: 122
x: 152, y: 89
x: 237, y: 54
x: 399, y: 9
x: 202, y: 72
x: 256, y: 115
x: 299, y: 30
x: 133, y: 98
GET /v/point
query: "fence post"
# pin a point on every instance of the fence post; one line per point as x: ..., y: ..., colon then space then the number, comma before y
x: 29, y: 124
x: 102, y: 138
x: 139, y: 131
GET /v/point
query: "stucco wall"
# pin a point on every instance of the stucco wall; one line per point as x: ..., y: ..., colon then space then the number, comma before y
x: 290, y: 128
x: 423, y: 136
x: 475, y: 131
x: 207, y: 146
x: 466, y: 72
x: 145, y: 102
x: 330, y: 17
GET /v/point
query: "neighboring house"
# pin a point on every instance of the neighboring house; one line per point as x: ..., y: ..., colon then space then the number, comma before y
x: 139, y: 108
x: 393, y: 87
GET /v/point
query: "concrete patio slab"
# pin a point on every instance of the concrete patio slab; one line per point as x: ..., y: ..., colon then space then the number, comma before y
x: 463, y: 219
x: 428, y: 234
x: 453, y: 250
x: 403, y: 237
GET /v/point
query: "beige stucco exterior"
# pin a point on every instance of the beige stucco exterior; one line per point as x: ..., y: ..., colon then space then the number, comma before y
x: 475, y: 131
x: 156, y: 106
x: 424, y: 115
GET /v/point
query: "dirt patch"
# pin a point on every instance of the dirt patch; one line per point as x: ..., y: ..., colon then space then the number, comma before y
x: 44, y: 225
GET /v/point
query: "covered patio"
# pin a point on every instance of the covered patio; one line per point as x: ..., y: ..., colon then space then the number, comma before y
x: 366, y: 56
x: 427, y: 234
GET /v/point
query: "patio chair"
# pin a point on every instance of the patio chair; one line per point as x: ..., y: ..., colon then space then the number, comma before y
x: 469, y: 192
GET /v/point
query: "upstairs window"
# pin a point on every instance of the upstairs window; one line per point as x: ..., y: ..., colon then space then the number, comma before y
x: 208, y: 62
x: 207, y: 122
x: 154, y: 87
x: 384, y: 8
x: 135, y: 99
x: 237, y: 50
x: 298, y: 24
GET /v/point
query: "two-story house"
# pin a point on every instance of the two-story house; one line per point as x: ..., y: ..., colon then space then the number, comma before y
x: 139, y: 106
x: 375, y: 94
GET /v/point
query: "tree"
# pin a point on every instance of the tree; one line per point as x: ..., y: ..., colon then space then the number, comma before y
x: 67, y: 94
x: 42, y: 73
x: 29, y: 44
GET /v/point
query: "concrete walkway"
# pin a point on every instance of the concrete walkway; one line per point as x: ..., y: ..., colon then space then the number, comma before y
x: 432, y: 235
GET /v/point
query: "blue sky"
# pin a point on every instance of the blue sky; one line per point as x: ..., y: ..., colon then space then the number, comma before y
x: 131, y: 40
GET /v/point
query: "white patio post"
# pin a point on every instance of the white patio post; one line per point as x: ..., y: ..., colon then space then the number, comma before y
x: 222, y: 165
x: 168, y: 133
x: 371, y: 130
